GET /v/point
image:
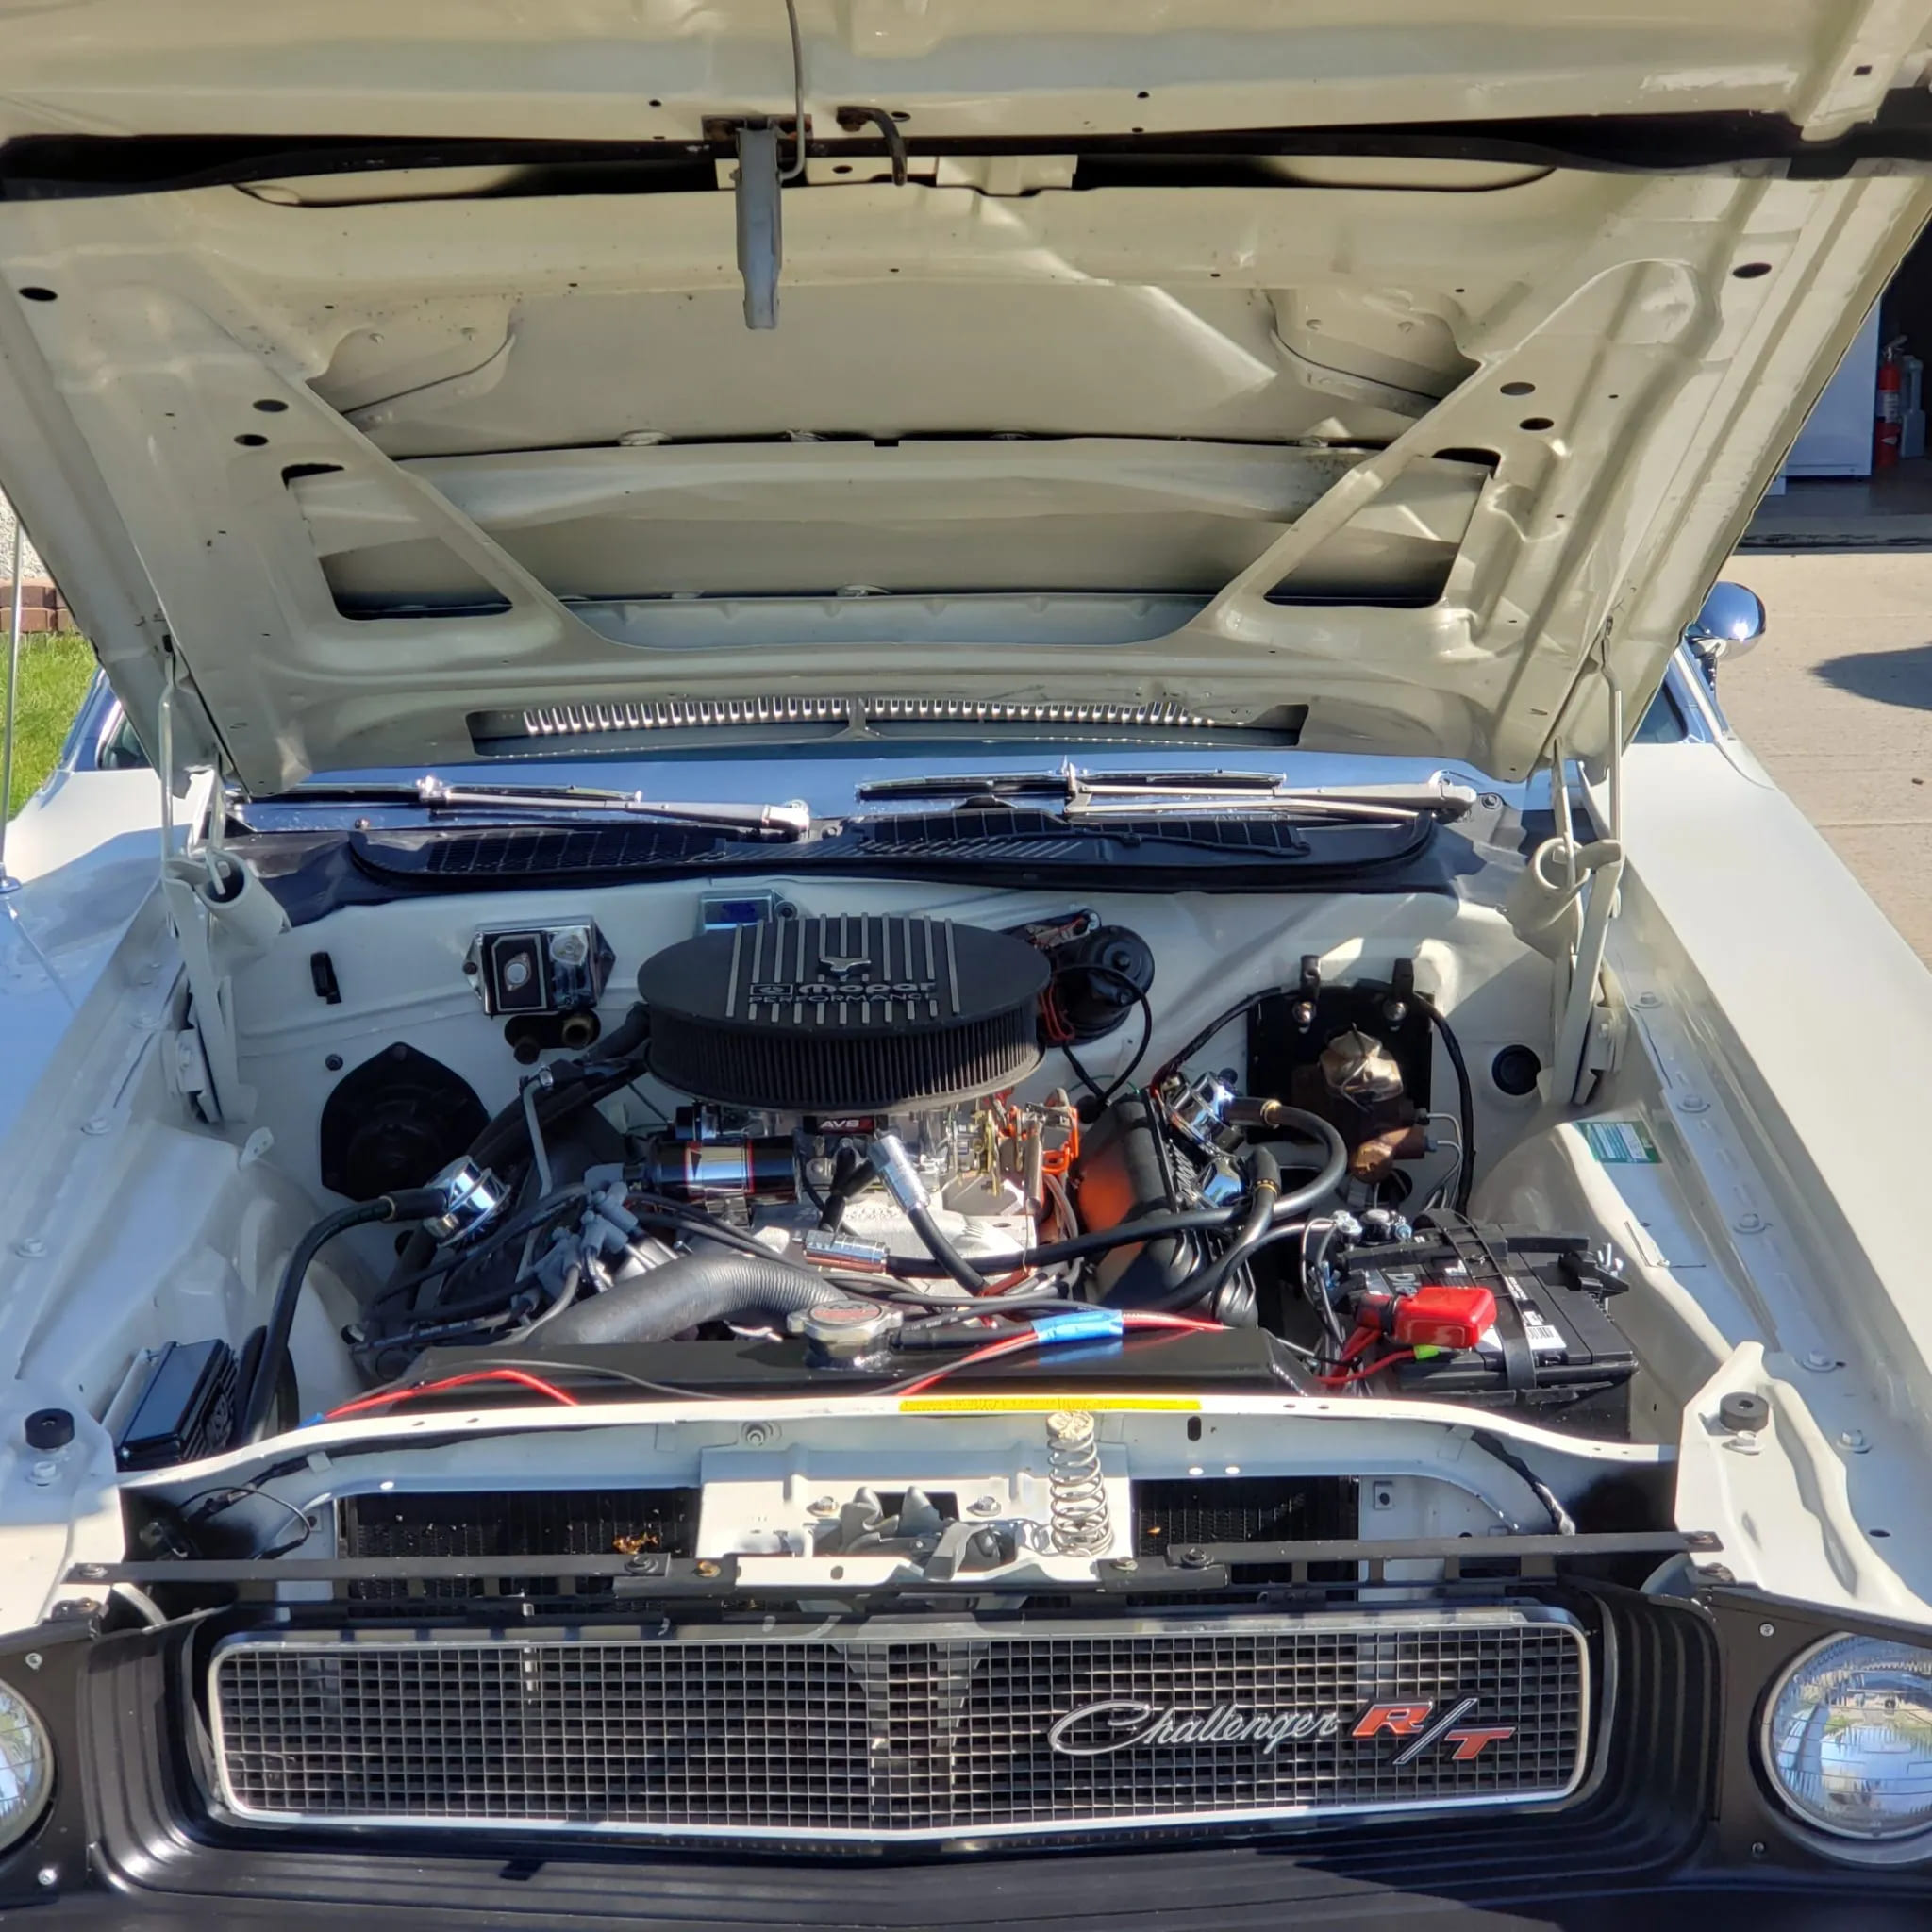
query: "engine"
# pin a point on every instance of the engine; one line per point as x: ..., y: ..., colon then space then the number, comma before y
x: 852, y: 1172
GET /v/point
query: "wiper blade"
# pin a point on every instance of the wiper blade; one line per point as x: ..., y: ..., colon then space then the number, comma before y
x: 1061, y: 784
x: 791, y: 820
x: 1103, y: 794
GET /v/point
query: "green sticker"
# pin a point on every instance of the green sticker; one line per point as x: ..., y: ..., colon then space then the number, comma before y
x: 1620, y: 1144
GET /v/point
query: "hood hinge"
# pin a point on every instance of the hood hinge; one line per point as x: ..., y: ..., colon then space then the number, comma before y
x: 1588, y: 1027
x: 1563, y: 904
x: 222, y: 917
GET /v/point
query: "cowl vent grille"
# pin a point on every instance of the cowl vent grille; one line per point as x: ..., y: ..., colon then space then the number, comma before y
x: 611, y: 722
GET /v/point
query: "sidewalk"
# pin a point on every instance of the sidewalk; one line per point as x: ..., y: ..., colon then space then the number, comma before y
x: 1837, y: 701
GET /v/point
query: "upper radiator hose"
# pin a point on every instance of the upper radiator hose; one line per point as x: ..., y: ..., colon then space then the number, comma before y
x: 690, y: 1289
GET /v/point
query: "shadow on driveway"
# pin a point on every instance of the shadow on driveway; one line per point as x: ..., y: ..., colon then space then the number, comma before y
x: 1886, y: 678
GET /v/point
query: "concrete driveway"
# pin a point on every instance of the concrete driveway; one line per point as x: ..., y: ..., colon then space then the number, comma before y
x: 1837, y: 701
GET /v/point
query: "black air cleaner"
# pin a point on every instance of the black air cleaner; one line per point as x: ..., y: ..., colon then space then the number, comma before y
x: 844, y: 1015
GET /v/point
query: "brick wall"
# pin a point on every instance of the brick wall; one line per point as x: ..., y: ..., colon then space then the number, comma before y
x: 41, y: 608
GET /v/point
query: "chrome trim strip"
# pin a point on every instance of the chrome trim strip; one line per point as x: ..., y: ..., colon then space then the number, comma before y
x: 886, y: 1631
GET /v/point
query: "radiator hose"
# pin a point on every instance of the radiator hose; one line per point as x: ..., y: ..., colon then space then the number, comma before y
x: 404, y: 1204
x: 688, y: 1290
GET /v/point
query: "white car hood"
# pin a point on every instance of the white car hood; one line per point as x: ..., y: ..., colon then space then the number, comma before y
x: 1391, y: 376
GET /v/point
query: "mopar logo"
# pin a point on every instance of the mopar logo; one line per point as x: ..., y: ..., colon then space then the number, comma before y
x: 777, y: 991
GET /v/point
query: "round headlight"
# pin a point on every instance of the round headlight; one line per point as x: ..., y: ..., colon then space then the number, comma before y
x: 26, y: 1767
x: 1848, y: 1738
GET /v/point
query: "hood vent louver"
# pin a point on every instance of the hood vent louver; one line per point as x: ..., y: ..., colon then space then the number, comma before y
x: 605, y: 725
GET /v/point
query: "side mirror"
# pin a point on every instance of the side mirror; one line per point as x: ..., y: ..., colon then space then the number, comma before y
x: 1730, y: 622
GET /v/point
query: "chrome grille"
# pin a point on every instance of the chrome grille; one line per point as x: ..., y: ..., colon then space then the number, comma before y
x: 904, y: 1730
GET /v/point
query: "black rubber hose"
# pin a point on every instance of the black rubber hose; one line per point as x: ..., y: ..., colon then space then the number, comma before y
x: 1207, y: 1280
x: 690, y: 1290
x: 1328, y: 1177
x: 624, y: 1041
x: 944, y: 1252
x: 1097, y: 1243
x: 405, y: 1204
x: 1465, y: 1099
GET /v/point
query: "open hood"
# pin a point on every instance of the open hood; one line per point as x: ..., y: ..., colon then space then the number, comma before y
x: 1390, y: 375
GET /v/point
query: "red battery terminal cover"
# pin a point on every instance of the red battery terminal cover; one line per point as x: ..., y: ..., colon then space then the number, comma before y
x: 1440, y: 1316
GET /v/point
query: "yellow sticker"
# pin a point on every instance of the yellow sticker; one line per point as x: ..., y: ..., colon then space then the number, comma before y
x: 968, y: 1404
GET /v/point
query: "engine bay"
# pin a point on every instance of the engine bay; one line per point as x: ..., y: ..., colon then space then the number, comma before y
x: 827, y: 1150
x: 826, y: 1242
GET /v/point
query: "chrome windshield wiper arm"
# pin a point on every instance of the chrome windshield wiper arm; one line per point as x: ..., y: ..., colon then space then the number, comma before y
x: 791, y: 820
x: 1065, y: 783
x: 1103, y: 794
x: 1437, y: 799
x: 788, y: 821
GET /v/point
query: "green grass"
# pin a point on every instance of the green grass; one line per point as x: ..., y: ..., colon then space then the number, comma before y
x: 54, y: 667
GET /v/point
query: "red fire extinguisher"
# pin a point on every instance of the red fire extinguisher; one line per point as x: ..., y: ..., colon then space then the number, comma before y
x: 1891, y: 406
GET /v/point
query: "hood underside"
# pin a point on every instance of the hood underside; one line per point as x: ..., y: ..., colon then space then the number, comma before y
x: 382, y: 379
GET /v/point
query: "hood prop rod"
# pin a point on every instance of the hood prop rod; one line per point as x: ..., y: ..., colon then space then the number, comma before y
x: 8, y: 882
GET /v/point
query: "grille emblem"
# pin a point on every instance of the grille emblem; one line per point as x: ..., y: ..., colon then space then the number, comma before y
x: 1121, y: 1724
x: 1097, y: 1730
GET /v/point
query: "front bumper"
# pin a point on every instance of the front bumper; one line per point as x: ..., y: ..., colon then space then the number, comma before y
x: 1231, y: 1891
x: 1672, y: 1829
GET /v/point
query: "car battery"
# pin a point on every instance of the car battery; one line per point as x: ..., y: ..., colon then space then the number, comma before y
x: 1551, y: 1341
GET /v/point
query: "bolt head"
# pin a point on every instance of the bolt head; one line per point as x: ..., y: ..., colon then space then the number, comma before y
x: 44, y: 1472
x: 1817, y: 1361
x: 707, y: 1569
x: 1767, y: 1629
x: 98, y: 1126
x: 1855, y: 1441
x: 33, y: 1659
x: 1125, y: 1565
x: 1693, y: 1103
x: 1649, y: 1000
x: 31, y: 1248
x: 757, y: 1434
x: 47, y: 1875
x: 1749, y: 1223
x: 984, y: 1505
x: 822, y: 1506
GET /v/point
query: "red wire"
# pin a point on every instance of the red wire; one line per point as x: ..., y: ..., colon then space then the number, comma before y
x: 1011, y: 1345
x: 1361, y: 1340
x: 536, y: 1382
x: 1375, y: 1368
